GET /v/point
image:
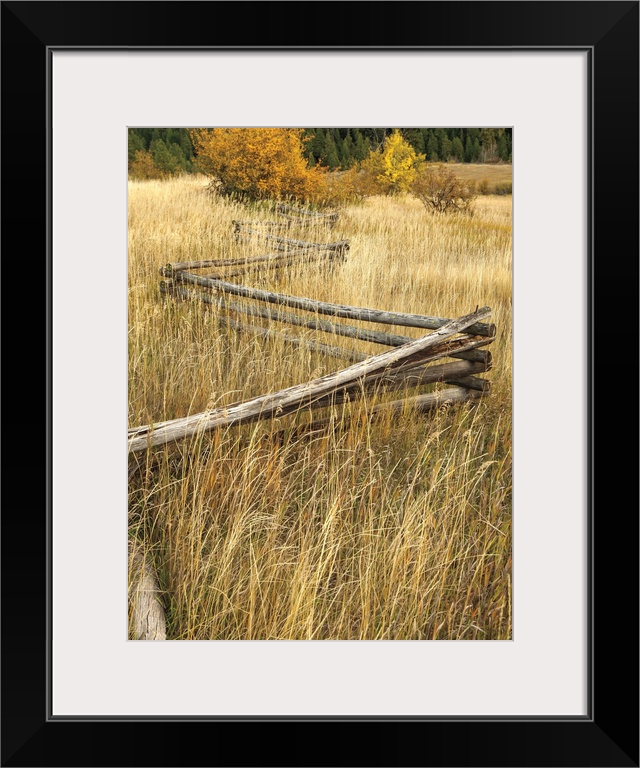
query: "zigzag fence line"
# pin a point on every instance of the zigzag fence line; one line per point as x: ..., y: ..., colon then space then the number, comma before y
x: 453, y: 353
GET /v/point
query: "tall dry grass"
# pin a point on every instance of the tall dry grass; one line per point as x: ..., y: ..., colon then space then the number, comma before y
x: 386, y: 529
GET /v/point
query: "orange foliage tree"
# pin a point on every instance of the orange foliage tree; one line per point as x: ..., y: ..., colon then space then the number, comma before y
x: 258, y: 162
x: 143, y: 167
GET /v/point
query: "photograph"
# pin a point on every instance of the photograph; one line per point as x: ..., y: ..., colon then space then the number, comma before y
x: 319, y: 383
x: 351, y: 290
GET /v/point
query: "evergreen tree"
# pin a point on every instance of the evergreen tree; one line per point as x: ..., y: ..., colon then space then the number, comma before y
x: 468, y: 150
x: 184, y: 140
x: 432, y: 148
x: 163, y: 158
x: 362, y: 147
x: 414, y: 137
x: 473, y: 134
x: 136, y: 144
x: 146, y: 135
x: 178, y: 154
x: 347, y: 152
x: 457, y: 150
x: 502, y: 149
x: 445, y: 147
x: 330, y: 156
x: 315, y: 145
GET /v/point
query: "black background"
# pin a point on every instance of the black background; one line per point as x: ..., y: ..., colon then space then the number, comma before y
x: 609, y: 736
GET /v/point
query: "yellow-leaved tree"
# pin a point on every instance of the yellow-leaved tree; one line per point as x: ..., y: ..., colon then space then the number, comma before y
x: 258, y: 162
x: 392, y: 168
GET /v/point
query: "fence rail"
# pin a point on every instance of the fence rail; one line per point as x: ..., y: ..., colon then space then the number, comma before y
x: 300, y: 215
x: 454, y: 352
x: 321, y: 392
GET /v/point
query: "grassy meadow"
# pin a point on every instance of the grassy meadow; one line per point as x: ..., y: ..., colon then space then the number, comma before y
x: 395, y: 528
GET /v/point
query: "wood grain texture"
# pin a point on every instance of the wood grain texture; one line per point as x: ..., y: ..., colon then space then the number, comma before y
x: 147, y: 619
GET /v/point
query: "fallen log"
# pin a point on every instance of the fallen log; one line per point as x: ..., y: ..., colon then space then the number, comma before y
x: 417, y: 352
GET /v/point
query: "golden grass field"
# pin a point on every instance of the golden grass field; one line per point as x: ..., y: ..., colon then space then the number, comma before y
x: 386, y: 529
x: 493, y: 174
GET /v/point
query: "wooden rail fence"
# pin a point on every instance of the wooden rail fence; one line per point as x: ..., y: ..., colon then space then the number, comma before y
x: 245, y: 231
x: 407, y: 364
x: 453, y: 353
x: 305, y: 217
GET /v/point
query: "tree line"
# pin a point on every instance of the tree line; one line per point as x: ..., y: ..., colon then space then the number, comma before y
x: 158, y: 152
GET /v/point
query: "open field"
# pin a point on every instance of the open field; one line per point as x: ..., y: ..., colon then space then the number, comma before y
x: 496, y: 176
x: 390, y: 529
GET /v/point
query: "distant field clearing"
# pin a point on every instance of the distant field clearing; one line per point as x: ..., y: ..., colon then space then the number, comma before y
x: 501, y: 173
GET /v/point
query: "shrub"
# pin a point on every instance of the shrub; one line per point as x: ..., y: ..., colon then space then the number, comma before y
x: 503, y: 188
x: 258, y: 163
x: 439, y: 189
x: 143, y: 167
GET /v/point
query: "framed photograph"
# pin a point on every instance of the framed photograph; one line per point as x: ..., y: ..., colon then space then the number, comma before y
x: 513, y: 654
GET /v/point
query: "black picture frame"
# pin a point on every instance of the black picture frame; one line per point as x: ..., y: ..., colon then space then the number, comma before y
x: 608, y: 736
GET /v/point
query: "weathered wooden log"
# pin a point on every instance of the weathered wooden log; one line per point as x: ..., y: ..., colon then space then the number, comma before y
x: 337, y: 329
x: 419, y: 404
x: 335, y: 310
x: 256, y: 263
x: 377, y: 337
x: 479, y: 357
x: 285, y: 242
x: 167, y: 270
x: 432, y: 374
x: 265, y: 333
x: 238, y: 226
x: 289, y: 260
x: 475, y: 356
x: 471, y: 382
x: 417, y: 352
x: 147, y: 620
x: 284, y: 208
x: 306, y: 222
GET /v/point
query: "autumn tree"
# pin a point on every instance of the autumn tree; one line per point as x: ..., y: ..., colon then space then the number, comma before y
x: 144, y: 167
x: 393, y: 166
x: 257, y: 162
x: 441, y: 191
